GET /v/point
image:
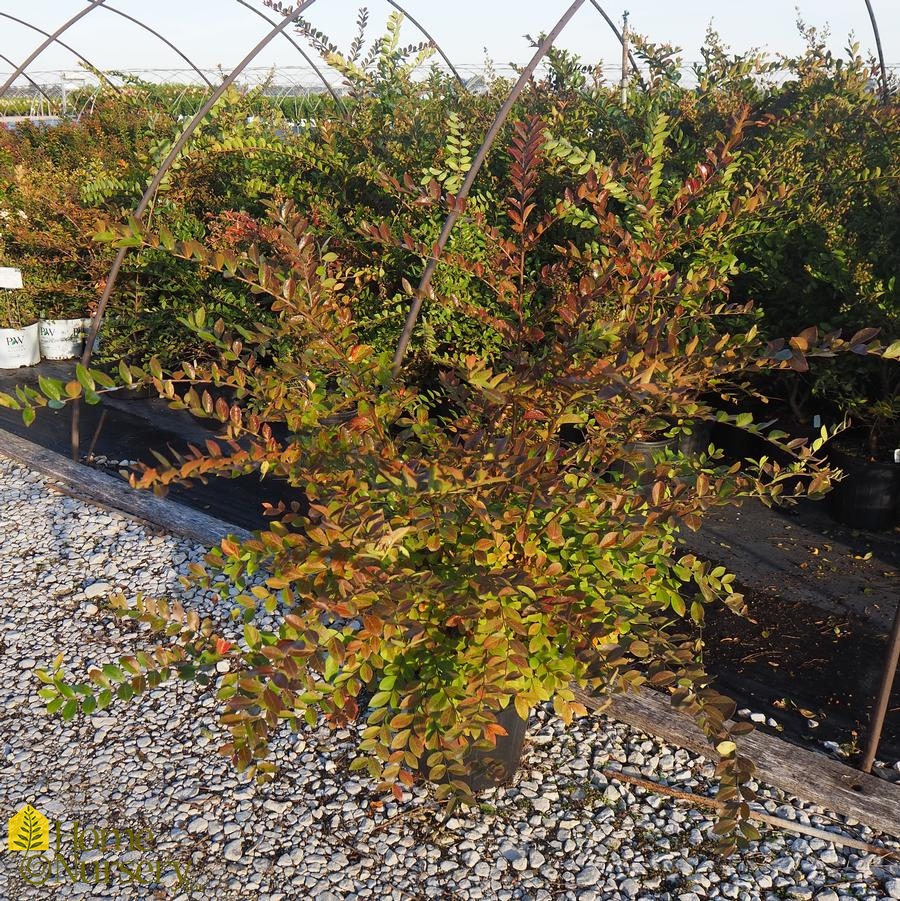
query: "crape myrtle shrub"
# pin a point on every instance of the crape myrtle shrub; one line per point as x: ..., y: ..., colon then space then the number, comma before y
x: 452, y: 565
x: 460, y: 554
x: 47, y: 207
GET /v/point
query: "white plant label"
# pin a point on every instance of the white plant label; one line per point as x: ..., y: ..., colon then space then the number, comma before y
x: 10, y: 279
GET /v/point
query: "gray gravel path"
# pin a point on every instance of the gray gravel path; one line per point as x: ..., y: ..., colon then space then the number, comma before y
x: 563, y: 831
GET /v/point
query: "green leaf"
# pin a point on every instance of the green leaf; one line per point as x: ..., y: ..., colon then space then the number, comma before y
x: 252, y: 636
x: 50, y: 387
x: 125, y: 373
x: 8, y: 401
x: 111, y: 671
x: 85, y: 379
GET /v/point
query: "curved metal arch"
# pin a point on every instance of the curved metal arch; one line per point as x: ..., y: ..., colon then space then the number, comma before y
x: 51, y: 38
x: 437, y: 46
x: 621, y: 38
x: 477, y: 163
x: 28, y: 78
x: 162, y: 38
x: 328, y: 86
x: 62, y: 44
x: 155, y: 183
x: 885, y: 92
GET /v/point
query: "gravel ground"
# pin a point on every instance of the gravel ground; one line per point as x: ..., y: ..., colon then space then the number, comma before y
x: 562, y: 831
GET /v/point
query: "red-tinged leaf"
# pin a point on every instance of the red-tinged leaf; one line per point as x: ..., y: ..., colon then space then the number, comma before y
x: 799, y: 363
x: 863, y: 336
x: 495, y: 729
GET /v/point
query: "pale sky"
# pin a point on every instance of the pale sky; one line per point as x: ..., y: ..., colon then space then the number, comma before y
x: 220, y: 32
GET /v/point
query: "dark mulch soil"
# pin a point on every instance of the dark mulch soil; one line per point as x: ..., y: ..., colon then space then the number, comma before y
x: 803, y: 666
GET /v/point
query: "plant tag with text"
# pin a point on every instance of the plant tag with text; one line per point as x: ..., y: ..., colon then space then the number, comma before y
x: 10, y: 278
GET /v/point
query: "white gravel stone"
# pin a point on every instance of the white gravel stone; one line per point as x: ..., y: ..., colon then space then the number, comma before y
x: 588, y: 876
x: 233, y: 850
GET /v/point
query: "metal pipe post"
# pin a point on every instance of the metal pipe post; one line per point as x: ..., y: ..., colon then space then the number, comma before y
x: 876, y: 724
x: 885, y: 94
x: 469, y: 181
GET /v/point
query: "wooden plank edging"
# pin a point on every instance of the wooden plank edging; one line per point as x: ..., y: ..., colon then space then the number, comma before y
x: 113, y: 493
x: 801, y: 773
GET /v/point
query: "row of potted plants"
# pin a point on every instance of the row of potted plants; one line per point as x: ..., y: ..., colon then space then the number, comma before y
x: 26, y: 338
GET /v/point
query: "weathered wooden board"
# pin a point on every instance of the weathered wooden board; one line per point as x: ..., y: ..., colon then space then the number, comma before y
x: 807, y: 775
x: 108, y: 491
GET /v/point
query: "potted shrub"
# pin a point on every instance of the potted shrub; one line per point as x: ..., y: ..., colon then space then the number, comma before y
x: 454, y: 570
x: 46, y: 230
x: 868, y: 494
x: 64, y: 324
x: 19, y: 343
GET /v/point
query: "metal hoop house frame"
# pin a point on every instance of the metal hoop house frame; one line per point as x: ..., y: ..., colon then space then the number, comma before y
x: 280, y: 28
x: 61, y: 43
x: 29, y: 79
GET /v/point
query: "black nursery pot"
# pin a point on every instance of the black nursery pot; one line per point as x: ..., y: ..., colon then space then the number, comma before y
x: 649, y: 452
x: 698, y: 441
x: 868, y: 497
x: 488, y: 769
